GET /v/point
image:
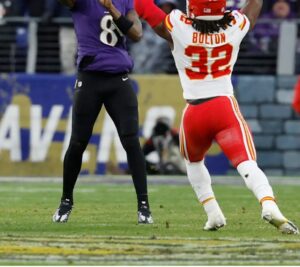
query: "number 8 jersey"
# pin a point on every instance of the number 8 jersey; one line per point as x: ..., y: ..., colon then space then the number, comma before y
x: 205, y: 61
x: 101, y: 46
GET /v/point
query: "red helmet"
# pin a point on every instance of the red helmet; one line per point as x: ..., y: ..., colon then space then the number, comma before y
x: 206, y: 9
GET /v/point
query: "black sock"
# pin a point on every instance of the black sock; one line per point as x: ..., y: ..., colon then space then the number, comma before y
x: 68, y: 200
x: 143, y: 200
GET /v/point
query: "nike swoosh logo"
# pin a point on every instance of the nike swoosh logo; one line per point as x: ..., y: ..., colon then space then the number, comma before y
x: 125, y: 79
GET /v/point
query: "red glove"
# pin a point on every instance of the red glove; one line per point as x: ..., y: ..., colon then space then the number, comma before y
x: 150, y: 12
x: 296, y: 102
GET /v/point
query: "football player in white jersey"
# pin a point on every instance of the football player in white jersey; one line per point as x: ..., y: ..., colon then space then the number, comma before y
x: 205, y: 44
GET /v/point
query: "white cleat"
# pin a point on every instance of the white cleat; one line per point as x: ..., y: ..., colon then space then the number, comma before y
x: 215, y: 221
x: 145, y: 218
x: 272, y: 215
x: 62, y: 214
x: 144, y: 215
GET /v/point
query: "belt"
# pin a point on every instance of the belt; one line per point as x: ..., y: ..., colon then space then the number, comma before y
x: 199, y: 101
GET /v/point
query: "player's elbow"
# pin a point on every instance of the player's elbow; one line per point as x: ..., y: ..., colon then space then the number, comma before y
x: 136, y: 37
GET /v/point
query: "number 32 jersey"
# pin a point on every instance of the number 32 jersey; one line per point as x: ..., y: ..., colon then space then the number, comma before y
x: 205, y: 61
x: 99, y: 41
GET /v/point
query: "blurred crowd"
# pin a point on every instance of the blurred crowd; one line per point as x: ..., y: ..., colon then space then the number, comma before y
x: 45, y: 10
x: 265, y: 35
x: 41, y: 8
x: 263, y: 39
x: 152, y: 54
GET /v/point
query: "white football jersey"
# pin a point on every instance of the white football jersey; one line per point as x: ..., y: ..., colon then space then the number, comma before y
x: 205, y: 61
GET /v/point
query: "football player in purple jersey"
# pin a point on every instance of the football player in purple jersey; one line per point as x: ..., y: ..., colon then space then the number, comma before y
x: 103, y: 63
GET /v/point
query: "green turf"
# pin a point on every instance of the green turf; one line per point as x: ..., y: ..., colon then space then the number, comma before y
x: 102, y: 229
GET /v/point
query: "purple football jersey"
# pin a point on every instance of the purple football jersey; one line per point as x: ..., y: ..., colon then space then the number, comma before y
x: 100, y: 43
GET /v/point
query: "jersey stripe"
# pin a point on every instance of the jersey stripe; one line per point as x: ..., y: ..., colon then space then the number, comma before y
x: 181, y: 143
x: 168, y: 23
x: 248, y: 141
x: 183, y: 147
x: 249, y: 136
x: 247, y: 131
x: 181, y: 140
x: 243, y: 24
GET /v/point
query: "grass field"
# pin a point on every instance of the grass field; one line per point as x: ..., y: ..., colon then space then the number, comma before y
x: 102, y: 229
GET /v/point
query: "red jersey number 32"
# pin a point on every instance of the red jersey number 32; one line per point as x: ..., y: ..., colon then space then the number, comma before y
x: 220, y: 67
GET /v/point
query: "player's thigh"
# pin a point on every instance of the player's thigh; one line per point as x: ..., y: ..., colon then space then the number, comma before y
x: 86, y: 107
x: 195, y: 137
x: 235, y: 137
x: 122, y: 106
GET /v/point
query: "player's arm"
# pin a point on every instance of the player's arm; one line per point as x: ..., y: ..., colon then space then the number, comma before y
x: 129, y: 25
x: 154, y: 16
x: 252, y: 10
x: 163, y: 32
x: 68, y: 3
x: 136, y: 31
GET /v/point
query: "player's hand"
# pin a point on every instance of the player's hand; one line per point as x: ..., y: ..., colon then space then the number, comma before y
x: 106, y: 3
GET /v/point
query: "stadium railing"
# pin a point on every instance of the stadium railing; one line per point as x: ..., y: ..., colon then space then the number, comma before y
x: 30, y: 46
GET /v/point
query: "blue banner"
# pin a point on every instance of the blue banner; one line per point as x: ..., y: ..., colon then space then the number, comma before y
x: 35, y: 125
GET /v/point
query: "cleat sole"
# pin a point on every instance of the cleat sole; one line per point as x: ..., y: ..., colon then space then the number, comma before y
x: 284, y: 226
x: 215, y: 228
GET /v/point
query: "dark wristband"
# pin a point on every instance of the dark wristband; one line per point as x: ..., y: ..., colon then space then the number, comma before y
x: 123, y: 24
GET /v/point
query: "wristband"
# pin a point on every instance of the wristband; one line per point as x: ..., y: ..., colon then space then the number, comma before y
x: 123, y: 24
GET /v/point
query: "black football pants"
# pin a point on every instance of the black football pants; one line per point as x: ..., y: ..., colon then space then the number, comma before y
x: 114, y: 91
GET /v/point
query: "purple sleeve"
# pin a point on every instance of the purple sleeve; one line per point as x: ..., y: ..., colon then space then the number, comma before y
x: 79, y: 4
x: 129, y: 6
